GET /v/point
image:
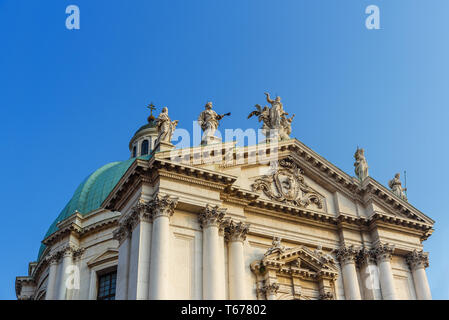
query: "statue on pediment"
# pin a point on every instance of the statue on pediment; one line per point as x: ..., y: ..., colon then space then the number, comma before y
x: 395, y: 185
x: 275, y: 247
x: 276, y: 126
x: 360, y: 164
x: 165, y: 127
x: 208, y: 121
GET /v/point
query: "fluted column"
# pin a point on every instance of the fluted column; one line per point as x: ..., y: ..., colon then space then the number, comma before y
x: 66, y: 263
x: 211, y: 218
x: 347, y: 256
x: 369, y: 274
x: 162, y: 208
x: 235, y: 233
x: 418, y: 262
x: 384, y: 253
x: 122, y: 235
x: 52, y: 276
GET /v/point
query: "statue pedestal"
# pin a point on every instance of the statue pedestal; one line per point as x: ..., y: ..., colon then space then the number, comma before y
x: 210, y: 140
x: 163, y: 146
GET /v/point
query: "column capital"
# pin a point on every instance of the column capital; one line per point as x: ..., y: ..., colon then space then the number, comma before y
x: 53, y: 258
x: 121, y: 233
x: 366, y: 257
x: 140, y: 212
x: 327, y: 296
x: 270, y: 289
x: 163, y: 206
x: 235, y: 231
x: 384, y: 252
x: 347, y: 254
x: 212, y: 216
x: 417, y: 259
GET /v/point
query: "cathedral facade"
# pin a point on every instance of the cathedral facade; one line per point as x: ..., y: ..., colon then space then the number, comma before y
x: 273, y: 220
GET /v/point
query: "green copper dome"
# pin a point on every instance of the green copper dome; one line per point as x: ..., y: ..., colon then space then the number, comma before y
x: 92, y: 192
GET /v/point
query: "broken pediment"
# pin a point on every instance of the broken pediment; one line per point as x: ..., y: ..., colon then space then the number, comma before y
x: 285, y: 183
x: 299, y: 260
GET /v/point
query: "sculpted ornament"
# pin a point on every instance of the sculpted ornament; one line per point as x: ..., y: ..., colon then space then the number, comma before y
x: 287, y: 185
x: 360, y: 164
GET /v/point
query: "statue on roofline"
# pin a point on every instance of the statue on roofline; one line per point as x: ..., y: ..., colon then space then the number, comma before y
x: 395, y: 185
x: 209, y: 121
x: 165, y: 127
x: 360, y: 164
x: 276, y: 126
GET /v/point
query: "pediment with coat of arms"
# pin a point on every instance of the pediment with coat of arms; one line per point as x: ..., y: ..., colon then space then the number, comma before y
x: 285, y: 183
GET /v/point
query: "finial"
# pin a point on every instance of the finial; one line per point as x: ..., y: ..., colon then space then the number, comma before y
x: 151, y: 107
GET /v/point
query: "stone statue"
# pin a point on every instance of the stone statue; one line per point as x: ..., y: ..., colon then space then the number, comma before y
x: 286, y: 127
x: 165, y: 127
x: 275, y: 125
x: 396, y: 187
x: 276, y: 247
x: 208, y: 121
x: 360, y: 164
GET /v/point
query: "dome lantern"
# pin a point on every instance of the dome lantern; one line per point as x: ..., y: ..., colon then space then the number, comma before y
x: 142, y: 143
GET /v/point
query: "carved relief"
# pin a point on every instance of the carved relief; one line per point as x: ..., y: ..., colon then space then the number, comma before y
x: 286, y: 184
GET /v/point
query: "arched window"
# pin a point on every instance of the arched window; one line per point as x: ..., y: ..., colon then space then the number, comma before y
x: 134, y: 151
x: 144, y: 148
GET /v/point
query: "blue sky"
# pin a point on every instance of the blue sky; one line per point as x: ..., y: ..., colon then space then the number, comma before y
x: 70, y: 100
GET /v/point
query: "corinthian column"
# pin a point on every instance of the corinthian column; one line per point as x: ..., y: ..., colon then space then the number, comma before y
x: 140, y: 222
x: 52, y: 274
x: 369, y: 274
x: 384, y: 253
x: 210, y: 219
x: 122, y: 235
x: 347, y: 256
x: 235, y: 233
x: 162, y: 208
x: 418, y: 262
x: 66, y: 263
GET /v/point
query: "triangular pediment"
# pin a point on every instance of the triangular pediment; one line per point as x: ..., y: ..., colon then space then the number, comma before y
x: 300, y: 259
x: 109, y: 254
